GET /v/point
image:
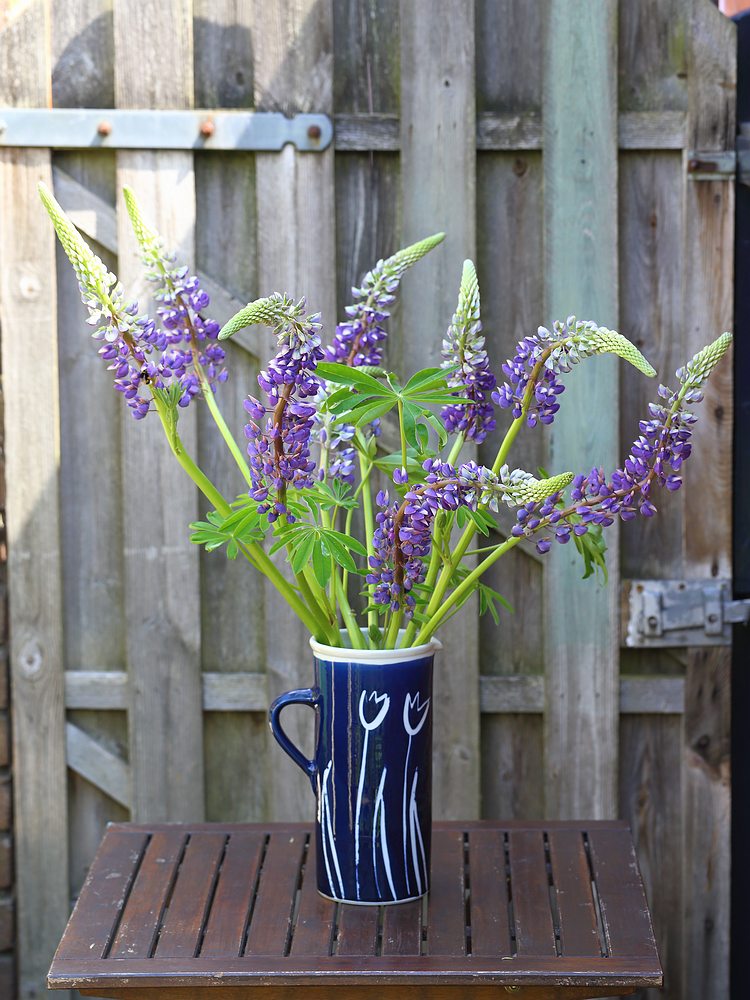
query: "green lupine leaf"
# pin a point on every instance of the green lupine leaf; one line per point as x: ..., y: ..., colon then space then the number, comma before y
x: 344, y: 375
x: 370, y: 413
x: 303, y: 551
x: 427, y: 378
x: 321, y: 563
x: 347, y: 540
x: 340, y: 554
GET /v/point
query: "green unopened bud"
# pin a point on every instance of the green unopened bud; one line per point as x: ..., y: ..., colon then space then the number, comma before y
x: 403, y: 259
x: 697, y: 370
x: 536, y: 490
x: 606, y: 341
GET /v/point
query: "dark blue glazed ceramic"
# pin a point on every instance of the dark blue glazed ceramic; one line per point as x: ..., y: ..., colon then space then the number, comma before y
x: 372, y: 770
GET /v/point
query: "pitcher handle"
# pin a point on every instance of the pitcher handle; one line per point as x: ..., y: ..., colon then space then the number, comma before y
x: 302, y: 696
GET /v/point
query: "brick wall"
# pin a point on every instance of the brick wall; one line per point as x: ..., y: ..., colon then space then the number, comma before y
x: 7, y: 922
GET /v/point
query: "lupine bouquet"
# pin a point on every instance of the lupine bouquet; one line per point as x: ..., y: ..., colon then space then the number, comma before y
x: 313, y: 452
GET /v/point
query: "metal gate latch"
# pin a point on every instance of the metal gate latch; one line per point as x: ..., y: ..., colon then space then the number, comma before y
x: 682, y: 612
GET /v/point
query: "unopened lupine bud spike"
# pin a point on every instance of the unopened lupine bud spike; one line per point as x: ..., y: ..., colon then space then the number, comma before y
x: 266, y: 311
x: 697, y: 370
x: 403, y: 259
x: 610, y: 342
x: 147, y: 237
x: 536, y: 490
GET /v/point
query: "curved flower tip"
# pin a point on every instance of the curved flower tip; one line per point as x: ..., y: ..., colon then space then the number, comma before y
x: 697, y: 370
x: 535, y: 490
x: 610, y: 342
x: 265, y: 311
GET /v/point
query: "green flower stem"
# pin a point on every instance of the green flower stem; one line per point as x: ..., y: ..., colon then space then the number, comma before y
x: 201, y: 480
x: 320, y: 595
x: 355, y: 632
x: 255, y: 554
x: 213, y: 409
x: 456, y: 449
x: 402, y: 432
x: 314, y: 601
x: 463, y: 588
x: 392, y: 636
x: 364, y: 472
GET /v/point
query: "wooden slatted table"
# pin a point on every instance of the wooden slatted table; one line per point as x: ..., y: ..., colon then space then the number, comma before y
x: 231, y: 912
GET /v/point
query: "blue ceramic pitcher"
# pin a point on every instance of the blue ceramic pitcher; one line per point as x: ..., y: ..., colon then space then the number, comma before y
x: 372, y: 770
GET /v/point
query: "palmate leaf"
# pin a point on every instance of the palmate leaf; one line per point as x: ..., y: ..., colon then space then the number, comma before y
x: 242, y: 526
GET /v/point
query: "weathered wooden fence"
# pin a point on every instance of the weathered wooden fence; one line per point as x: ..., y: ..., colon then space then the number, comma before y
x: 556, y: 142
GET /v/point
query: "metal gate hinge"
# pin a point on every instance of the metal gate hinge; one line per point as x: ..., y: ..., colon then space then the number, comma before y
x: 118, y: 128
x: 682, y: 612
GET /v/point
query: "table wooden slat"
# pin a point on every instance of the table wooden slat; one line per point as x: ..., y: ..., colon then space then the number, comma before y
x: 402, y: 929
x: 270, y: 924
x: 313, y: 931
x: 579, y: 933
x: 357, y: 930
x: 235, y: 890
x: 446, y: 933
x: 112, y: 873
x: 185, y: 919
x: 627, y: 923
x: 143, y: 911
x: 490, y: 924
x: 535, y: 932
x: 244, y: 898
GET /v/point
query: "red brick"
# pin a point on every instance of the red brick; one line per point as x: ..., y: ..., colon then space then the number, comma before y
x: 5, y: 798
x: 7, y: 977
x: 4, y: 739
x: 4, y: 671
x: 6, y: 862
x: 7, y: 929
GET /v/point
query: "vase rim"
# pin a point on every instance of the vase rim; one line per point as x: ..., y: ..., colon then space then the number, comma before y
x: 343, y: 654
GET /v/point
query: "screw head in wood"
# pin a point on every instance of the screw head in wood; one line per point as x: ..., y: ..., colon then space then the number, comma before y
x: 313, y: 132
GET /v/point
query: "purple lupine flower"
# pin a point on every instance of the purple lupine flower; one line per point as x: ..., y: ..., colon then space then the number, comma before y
x: 360, y: 339
x: 189, y: 340
x: 464, y: 346
x: 533, y: 384
x: 131, y: 344
x: 402, y: 538
x: 279, y: 431
x: 655, y: 459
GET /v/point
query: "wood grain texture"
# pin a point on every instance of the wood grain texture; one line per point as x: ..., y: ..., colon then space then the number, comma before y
x: 90, y: 464
x: 651, y: 799
x: 232, y: 594
x: 161, y: 565
x: 32, y: 449
x: 580, y: 177
x: 708, y: 210
x: 437, y: 141
x: 296, y: 255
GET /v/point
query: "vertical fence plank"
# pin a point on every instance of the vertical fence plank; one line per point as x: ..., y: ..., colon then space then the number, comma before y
x: 296, y: 254
x: 161, y: 565
x: 92, y: 561
x: 509, y: 248
x: 708, y: 303
x: 232, y: 593
x: 580, y: 181
x: 438, y: 169
x: 32, y: 439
